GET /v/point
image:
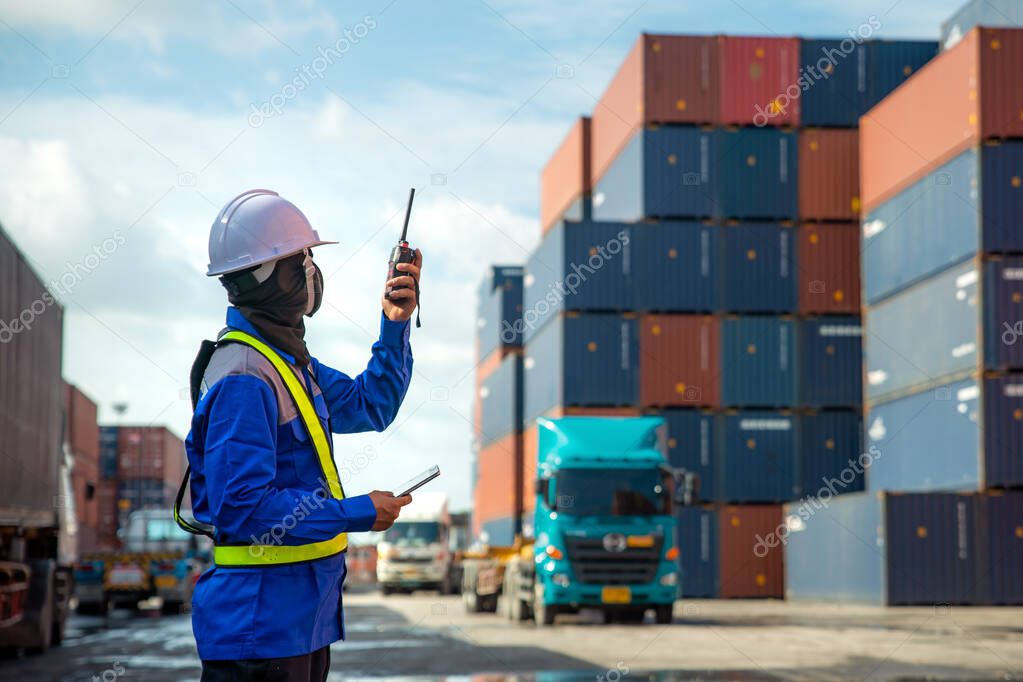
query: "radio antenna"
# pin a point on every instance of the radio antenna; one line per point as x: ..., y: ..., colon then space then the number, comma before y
x: 408, y: 213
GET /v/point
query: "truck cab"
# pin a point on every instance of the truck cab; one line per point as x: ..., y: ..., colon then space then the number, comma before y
x: 414, y: 553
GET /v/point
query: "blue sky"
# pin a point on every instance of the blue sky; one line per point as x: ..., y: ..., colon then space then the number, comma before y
x: 133, y: 122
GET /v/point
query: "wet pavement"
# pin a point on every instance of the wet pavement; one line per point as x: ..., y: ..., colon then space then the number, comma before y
x: 429, y: 637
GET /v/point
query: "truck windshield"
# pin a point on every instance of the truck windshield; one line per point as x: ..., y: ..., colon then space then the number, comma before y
x: 612, y: 492
x: 413, y: 533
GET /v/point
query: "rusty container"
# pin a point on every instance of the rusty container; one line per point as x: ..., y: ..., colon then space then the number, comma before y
x: 750, y: 563
x: 829, y: 268
x: 829, y: 174
x: 679, y: 361
x: 759, y: 81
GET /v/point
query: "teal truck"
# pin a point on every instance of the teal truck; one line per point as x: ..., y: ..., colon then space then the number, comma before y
x: 603, y: 527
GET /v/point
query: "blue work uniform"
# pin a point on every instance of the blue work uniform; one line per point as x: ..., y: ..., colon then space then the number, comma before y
x: 257, y: 480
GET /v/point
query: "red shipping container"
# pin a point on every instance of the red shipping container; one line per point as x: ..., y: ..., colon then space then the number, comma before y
x: 748, y: 565
x: 829, y: 268
x: 566, y: 177
x: 969, y: 93
x: 107, y: 515
x: 81, y: 426
x: 759, y: 81
x: 829, y: 174
x: 664, y: 79
x: 498, y: 491
x: 150, y: 452
x: 678, y: 361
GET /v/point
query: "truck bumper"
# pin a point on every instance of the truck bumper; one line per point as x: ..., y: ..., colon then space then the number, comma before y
x: 593, y: 595
x: 409, y: 576
x: 89, y: 593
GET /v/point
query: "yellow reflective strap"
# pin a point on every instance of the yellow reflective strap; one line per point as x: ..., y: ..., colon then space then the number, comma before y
x: 275, y: 555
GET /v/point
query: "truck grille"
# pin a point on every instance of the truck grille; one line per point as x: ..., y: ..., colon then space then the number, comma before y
x: 594, y: 565
x: 413, y: 560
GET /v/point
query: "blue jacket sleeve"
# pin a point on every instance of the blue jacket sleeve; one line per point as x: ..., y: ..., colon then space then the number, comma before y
x: 240, y: 464
x: 370, y: 401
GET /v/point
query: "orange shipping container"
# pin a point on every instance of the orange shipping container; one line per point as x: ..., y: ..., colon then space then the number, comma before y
x: 678, y: 360
x: 664, y: 79
x: 497, y: 494
x: 829, y: 174
x: 829, y: 268
x: 565, y: 179
x: 748, y: 566
x: 969, y: 93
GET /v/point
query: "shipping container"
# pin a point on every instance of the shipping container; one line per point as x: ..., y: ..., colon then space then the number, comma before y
x: 664, y: 79
x: 497, y: 495
x: 746, y: 571
x: 150, y: 452
x: 892, y: 62
x: 756, y: 173
x: 108, y: 452
x: 500, y: 398
x: 81, y: 432
x: 759, y: 81
x: 966, y: 435
x: 577, y: 266
x: 830, y: 362
x: 134, y: 494
x: 967, y: 94
x: 886, y: 549
x: 829, y: 268
x: 830, y: 449
x: 1002, y: 527
x: 1000, y: 13
x: 582, y: 359
x: 697, y: 540
x: 973, y: 203
x: 964, y: 319
x: 758, y: 268
x: 661, y: 172
x: 690, y: 437
x: 675, y: 267
x: 31, y: 392
x: 565, y: 180
x: 829, y: 174
x: 678, y: 360
x: 758, y: 361
x: 757, y: 457
x: 833, y: 76
x: 106, y: 502
x: 499, y: 313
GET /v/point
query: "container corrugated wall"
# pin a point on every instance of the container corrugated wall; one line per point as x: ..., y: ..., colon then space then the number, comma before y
x: 697, y: 540
x: 829, y: 174
x: 758, y: 268
x: 1002, y: 519
x: 145, y: 493
x: 149, y: 452
x: 757, y: 174
x: 691, y: 439
x: 108, y: 452
x: 756, y: 72
x: 830, y: 445
x: 675, y: 267
x: 757, y: 457
x: 31, y: 391
x: 500, y: 400
x: 836, y: 71
x: 829, y: 268
x: 830, y: 362
x: 891, y: 63
x: 758, y: 361
x: 497, y: 495
x: 678, y: 360
x: 565, y: 180
x: 662, y: 172
x: 746, y: 571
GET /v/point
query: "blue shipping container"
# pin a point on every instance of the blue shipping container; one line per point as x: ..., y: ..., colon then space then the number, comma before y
x: 691, y: 436
x: 836, y: 74
x: 756, y: 173
x: 108, y: 452
x: 499, y: 532
x: 501, y: 401
x: 831, y: 362
x: 885, y: 549
x: 663, y: 172
x: 892, y: 62
x: 934, y: 440
x: 944, y: 327
x: 758, y: 268
x: 967, y: 205
x: 674, y: 267
x: 1002, y: 518
x: 697, y: 541
x: 582, y: 359
x: 499, y: 317
x: 757, y: 457
x: 830, y: 446
x: 758, y: 362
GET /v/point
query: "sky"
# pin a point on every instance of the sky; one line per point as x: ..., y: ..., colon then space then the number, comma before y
x: 126, y: 125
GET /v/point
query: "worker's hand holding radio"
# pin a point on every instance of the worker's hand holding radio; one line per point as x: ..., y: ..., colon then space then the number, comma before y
x: 401, y: 290
x: 388, y: 507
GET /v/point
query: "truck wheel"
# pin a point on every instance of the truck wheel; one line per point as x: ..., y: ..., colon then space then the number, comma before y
x: 386, y: 590
x: 471, y: 600
x: 543, y: 613
x: 665, y: 613
x: 37, y: 625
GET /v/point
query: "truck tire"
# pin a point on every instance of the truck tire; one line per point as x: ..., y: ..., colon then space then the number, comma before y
x: 543, y: 614
x: 35, y: 631
x: 665, y: 613
x: 470, y: 599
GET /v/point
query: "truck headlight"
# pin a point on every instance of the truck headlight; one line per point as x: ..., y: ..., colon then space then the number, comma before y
x: 561, y: 579
x: 669, y: 578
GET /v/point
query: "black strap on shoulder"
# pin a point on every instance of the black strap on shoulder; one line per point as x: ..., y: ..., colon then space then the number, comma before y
x: 195, y: 377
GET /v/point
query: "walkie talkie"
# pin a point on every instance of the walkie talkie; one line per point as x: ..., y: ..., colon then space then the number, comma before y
x: 403, y: 253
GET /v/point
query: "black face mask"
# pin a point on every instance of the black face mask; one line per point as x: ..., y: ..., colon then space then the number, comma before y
x: 276, y: 307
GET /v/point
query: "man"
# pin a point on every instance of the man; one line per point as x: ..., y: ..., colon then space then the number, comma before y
x: 263, y: 477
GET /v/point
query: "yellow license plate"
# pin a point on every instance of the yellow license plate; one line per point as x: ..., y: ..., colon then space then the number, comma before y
x: 616, y: 595
x: 165, y: 581
x: 640, y: 541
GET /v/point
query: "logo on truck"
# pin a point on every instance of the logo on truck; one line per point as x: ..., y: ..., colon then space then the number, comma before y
x: 615, y: 542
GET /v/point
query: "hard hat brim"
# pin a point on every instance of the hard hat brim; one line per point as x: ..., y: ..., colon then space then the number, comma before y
x: 246, y: 263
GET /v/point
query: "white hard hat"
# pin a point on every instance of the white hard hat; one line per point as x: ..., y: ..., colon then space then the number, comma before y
x: 258, y: 227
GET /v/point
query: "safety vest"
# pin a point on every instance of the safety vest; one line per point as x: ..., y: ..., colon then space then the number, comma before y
x: 273, y: 555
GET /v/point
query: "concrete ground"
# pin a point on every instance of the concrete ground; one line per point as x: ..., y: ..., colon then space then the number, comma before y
x: 431, y: 637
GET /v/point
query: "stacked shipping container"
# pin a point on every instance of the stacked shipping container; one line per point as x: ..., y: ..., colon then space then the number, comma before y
x: 941, y: 162
x: 81, y: 437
